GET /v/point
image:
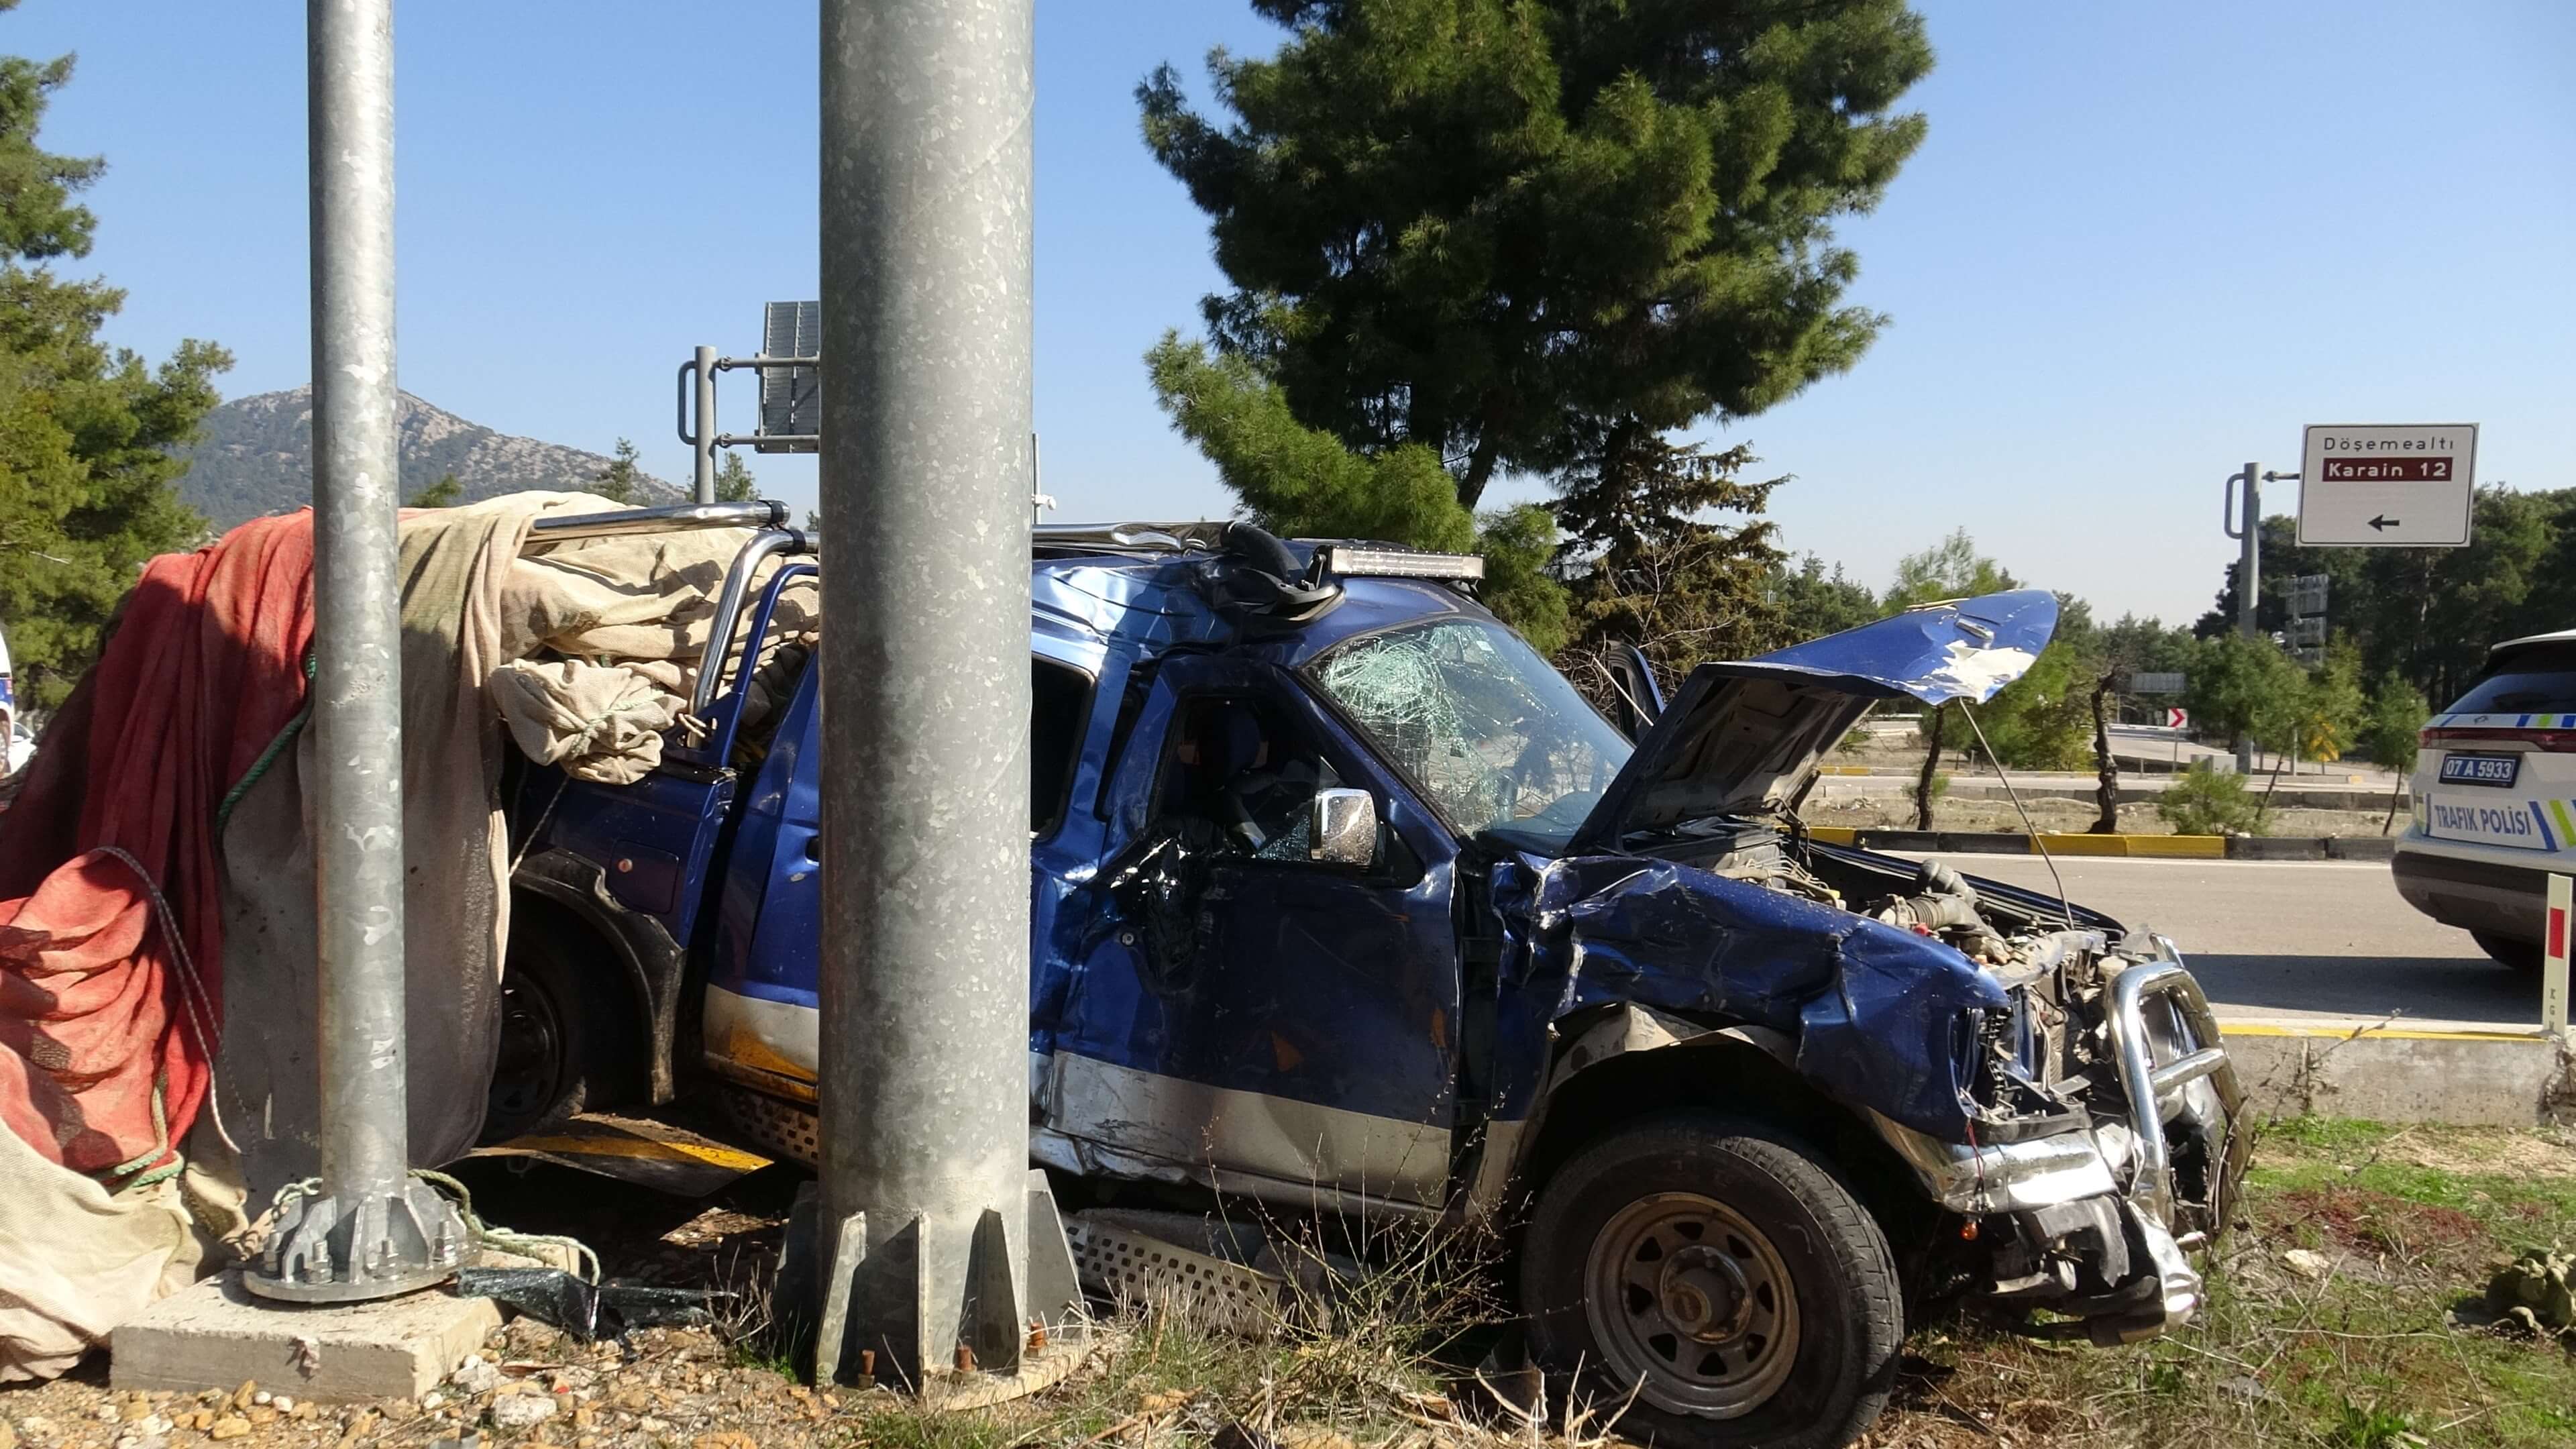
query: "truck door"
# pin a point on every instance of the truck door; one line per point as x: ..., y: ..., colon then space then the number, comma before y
x: 1243, y: 1012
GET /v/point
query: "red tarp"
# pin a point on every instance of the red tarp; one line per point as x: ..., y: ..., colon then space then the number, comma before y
x: 201, y: 675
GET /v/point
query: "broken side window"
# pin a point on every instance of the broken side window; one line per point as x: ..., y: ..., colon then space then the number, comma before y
x: 1059, y: 708
x: 1244, y: 770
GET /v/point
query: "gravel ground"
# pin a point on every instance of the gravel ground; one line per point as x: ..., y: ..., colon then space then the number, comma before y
x: 531, y: 1384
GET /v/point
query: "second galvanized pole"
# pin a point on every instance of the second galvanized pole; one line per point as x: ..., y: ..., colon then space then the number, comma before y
x: 704, y: 463
x: 927, y: 112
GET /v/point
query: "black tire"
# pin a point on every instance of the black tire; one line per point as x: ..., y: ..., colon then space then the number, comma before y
x: 564, y: 1046
x: 1808, y: 1369
x: 2519, y: 955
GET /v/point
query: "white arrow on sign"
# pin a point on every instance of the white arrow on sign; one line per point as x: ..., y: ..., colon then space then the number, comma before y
x: 2387, y: 486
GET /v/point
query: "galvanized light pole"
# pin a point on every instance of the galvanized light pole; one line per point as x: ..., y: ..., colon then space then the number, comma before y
x: 926, y: 152
x: 371, y: 1232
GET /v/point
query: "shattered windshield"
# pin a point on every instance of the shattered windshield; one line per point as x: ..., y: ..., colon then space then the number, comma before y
x: 1473, y: 715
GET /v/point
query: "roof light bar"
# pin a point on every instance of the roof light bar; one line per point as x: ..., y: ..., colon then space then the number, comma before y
x: 1396, y: 563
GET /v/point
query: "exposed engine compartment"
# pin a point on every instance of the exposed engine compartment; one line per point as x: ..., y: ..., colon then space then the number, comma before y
x: 2047, y: 1064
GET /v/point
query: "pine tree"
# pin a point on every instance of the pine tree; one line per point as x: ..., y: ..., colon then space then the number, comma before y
x: 1499, y: 228
x: 1302, y: 482
x: 1812, y: 602
x: 86, y: 430
x: 734, y: 483
x: 1651, y: 571
x: 1475, y: 236
x: 447, y: 492
x: 617, y: 482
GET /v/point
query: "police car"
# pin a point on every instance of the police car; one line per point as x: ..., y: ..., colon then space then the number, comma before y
x: 2495, y: 800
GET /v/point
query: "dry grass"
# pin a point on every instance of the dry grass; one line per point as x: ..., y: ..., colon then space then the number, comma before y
x: 1378, y: 1359
x: 2372, y: 1355
x: 2410, y: 1223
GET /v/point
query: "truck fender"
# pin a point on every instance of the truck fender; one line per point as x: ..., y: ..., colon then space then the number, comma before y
x: 1505, y: 1155
x: 653, y: 965
x: 1634, y: 1028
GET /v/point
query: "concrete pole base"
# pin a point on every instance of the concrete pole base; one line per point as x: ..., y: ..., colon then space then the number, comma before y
x: 216, y: 1334
x: 982, y: 1352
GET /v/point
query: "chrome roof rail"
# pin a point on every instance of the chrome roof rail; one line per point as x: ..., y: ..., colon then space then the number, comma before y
x: 1206, y: 535
x: 678, y: 517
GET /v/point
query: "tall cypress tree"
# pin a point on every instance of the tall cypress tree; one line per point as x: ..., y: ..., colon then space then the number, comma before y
x: 86, y: 430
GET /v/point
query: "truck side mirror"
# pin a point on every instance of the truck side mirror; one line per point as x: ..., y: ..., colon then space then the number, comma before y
x: 1342, y: 828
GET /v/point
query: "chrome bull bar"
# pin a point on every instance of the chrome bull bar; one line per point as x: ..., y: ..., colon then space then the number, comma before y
x: 2149, y: 1085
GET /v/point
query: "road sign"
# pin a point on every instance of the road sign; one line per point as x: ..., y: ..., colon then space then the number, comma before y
x: 2148, y: 682
x: 2387, y: 486
x: 2308, y: 594
x: 2177, y: 718
x: 2308, y: 631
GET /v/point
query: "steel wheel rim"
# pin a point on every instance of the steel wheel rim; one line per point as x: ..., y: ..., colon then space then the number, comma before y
x: 528, y: 1068
x: 1692, y: 1304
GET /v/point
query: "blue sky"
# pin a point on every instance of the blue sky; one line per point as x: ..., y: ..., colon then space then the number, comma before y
x: 2142, y: 245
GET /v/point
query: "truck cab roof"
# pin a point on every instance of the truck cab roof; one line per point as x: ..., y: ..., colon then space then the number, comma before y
x: 1104, y: 585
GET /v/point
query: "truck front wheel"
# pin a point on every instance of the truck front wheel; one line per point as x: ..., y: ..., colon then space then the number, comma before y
x: 1720, y: 1271
x: 560, y: 1038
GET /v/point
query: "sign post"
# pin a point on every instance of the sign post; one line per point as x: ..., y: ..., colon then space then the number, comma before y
x: 2245, y: 525
x: 2553, y: 962
x: 2387, y: 486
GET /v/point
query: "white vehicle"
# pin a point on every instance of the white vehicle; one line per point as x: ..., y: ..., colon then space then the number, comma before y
x: 2495, y: 800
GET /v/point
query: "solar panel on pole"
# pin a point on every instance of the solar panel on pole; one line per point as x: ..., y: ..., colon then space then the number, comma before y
x: 791, y: 398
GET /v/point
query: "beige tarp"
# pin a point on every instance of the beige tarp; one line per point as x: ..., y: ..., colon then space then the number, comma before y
x: 616, y: 626
x: 76, y: 1259
x: 626, y: 619
x: 584, y: 651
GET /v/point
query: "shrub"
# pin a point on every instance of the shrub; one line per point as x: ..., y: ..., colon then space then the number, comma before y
x: 2205, y: 802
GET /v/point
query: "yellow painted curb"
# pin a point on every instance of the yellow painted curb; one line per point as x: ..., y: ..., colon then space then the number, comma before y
x: 2330, y: 1033
x: 2078, y: 844
x: 2166, y: 847
x: 2179, y: 847
x: 1835, y: 834
x: 1843, y: 770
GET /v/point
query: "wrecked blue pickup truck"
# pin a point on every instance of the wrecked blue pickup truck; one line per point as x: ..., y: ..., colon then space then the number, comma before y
x: 1344, y: 896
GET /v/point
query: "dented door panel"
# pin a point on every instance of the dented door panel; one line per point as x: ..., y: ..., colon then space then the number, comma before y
x: 1295, y: 1006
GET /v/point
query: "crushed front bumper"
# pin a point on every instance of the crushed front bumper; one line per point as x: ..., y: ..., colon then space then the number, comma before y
x: 2097, y: 1228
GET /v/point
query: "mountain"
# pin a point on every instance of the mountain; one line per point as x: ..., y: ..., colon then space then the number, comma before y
x: 254, y: 455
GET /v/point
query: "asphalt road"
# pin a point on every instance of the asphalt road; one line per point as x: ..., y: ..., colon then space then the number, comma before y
x: 2295, y: 941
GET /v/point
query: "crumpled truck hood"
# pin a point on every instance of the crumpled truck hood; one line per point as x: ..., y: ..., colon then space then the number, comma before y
x: 1742, y: 737
x: 1879, y: 1015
